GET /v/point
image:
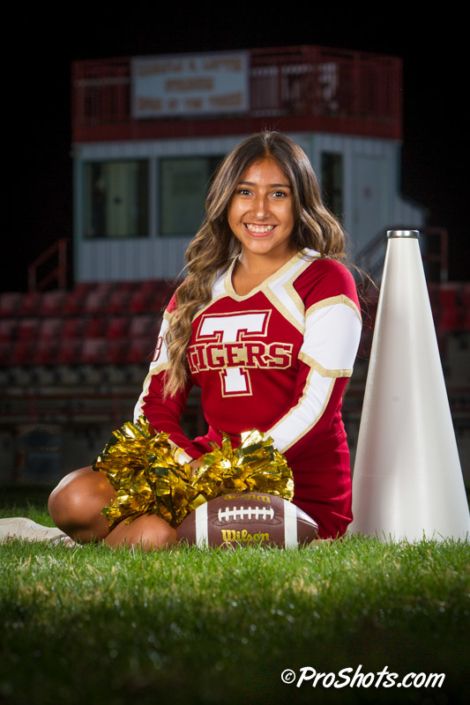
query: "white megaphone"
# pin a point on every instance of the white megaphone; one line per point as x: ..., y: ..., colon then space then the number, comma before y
x: 407, y: 481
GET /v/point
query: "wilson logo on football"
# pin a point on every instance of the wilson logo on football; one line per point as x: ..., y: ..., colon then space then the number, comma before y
x: 229, y: 535
x: 243, y: 513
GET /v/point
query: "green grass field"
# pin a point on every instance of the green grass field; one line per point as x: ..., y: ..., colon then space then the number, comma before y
x: 92, y: 625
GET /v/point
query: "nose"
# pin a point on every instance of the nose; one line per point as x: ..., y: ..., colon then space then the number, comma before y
x: 260, y: 206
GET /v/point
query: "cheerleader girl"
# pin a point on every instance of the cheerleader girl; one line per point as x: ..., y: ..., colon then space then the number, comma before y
x: 267, y: 323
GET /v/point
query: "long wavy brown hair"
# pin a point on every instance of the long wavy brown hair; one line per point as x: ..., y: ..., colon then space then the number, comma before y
x: 211, y: 250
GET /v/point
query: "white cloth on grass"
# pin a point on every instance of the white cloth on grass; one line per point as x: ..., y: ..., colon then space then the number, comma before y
x: 29, y: 530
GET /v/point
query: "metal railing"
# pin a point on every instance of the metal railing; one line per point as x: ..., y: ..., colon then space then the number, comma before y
x: 371, y: 257
x: 54, y: 259
x: 341, y: 90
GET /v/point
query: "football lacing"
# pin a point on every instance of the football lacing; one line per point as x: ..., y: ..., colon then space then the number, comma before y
x: 234, y: 513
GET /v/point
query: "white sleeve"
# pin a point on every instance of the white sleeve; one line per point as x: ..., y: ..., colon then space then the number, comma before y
x: 331, y: 339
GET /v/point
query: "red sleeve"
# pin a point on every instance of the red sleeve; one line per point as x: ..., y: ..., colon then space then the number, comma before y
x: 165, y: 415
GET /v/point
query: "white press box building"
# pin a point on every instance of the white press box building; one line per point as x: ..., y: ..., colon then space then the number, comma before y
x: 148, y: 132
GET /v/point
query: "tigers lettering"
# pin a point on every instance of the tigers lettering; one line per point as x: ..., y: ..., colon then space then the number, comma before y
x: 225, y: 342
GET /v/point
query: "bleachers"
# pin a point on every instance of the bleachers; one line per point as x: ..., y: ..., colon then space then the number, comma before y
x: 116, y: 323
x: 77, y: 360
x: 104, y: 334
x: 72, y: 364
x: 102, y: 325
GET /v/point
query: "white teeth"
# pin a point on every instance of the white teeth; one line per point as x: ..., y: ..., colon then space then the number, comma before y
x: 259, y: 228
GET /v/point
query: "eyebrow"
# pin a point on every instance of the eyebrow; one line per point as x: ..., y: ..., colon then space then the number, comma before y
x: 252, y: 183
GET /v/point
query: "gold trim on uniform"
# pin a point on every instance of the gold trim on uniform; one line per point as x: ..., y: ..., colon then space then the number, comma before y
x: 299, y: 403
x: 210, y: 303
x: 295, y: 296
x: 323, y: 371
x: 331, y: 301
x: 292, y: 294
x: 242, y: 297
x: 147, y: 381
x: 265, y: 288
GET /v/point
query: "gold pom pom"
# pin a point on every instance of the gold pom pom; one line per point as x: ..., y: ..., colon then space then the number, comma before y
x: 142, y: 466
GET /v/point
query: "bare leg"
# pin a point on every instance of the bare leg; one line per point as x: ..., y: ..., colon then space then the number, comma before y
x: 147, y: 531
x: 76, y: 503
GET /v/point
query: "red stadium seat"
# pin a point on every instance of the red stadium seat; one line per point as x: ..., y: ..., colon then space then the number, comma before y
x: 148, y: 285
x: 8, y: 328
x: 120, y: 297
x: 52, y: 303
x: 93, y: 351
x: 151, y: 296
x: 30, y: 304
x: 448, y: 294
x: 50, y: 329
x: 116, y: 352
x: 22, y: 353
x: 68, y: 353
x: 6, y: 354
x: 144, y: 327
x: 141, y: 301
x: 98, y: 296
x: 466, y: 295
x: 449, y: 316
x: 94, y: 327
x: 45, y: 352
x: 28, y: 329
x: 449, y: 321
x: 75, y: 300
x: 117, y: 328
x: 139, y: 351
x: 73, y: 328
x: 9, y: 303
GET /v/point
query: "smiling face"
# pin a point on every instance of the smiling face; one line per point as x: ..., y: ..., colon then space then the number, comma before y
x: 261, y: 214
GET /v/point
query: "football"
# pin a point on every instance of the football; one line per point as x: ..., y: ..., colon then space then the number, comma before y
x: 247, y: 519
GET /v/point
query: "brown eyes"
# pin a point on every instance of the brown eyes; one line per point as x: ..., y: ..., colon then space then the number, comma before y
x: 247, y: 192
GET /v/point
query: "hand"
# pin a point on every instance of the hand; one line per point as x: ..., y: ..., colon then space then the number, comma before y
x: 196, y: 462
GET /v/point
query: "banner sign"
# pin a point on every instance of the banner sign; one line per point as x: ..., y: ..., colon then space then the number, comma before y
x: 189, y: 84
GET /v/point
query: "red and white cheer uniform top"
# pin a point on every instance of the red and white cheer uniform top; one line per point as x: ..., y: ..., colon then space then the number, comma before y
x: 276, y: 359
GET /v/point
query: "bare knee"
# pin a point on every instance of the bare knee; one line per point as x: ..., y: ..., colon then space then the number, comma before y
x: 76, y: 503
x: 148, y: 531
